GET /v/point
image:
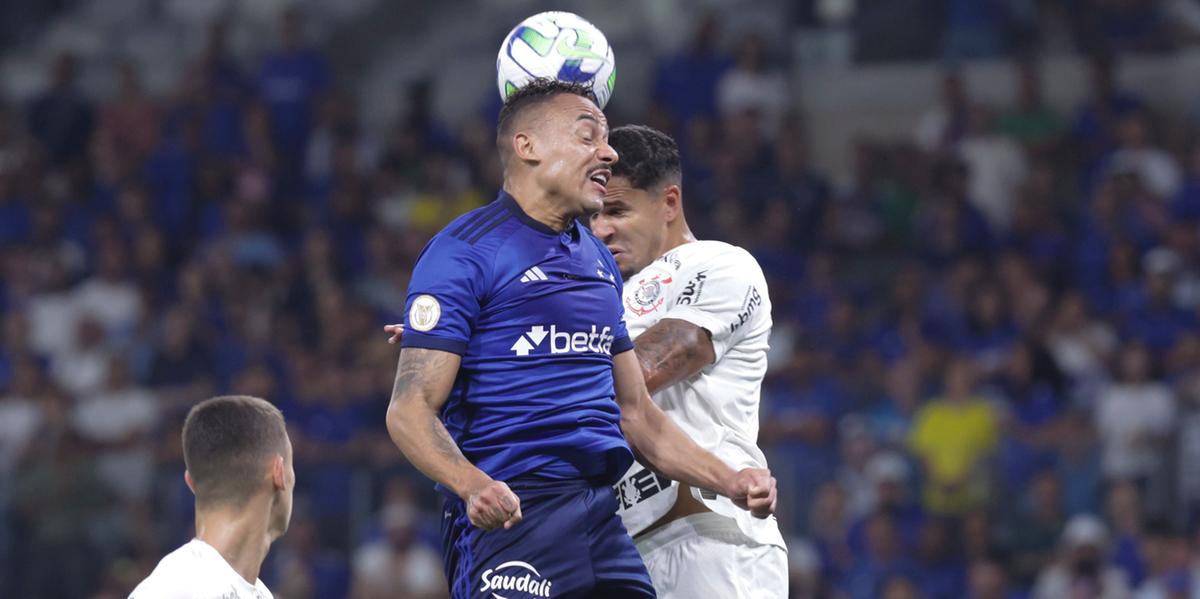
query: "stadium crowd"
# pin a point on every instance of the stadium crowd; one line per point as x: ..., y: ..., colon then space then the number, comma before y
x: 985, y: 370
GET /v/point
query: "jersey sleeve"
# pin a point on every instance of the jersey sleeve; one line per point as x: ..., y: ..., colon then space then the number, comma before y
x: 444, y: 296
x: 722, y: 295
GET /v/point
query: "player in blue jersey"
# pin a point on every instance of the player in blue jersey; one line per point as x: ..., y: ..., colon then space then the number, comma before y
x: 516, y: 380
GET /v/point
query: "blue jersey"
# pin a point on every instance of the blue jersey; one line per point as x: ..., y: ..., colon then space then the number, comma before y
x: 536, y: 316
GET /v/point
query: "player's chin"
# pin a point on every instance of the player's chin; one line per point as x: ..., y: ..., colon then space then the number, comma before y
x: 592, y: 202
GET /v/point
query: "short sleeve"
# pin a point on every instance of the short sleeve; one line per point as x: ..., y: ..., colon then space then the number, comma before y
x: 722, y: 295
x: 444, y: 294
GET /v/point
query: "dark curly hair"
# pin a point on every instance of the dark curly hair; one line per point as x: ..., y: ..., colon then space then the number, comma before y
x: 648, y: 157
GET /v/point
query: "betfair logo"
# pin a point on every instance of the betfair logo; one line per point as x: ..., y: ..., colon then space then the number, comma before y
x: 564, y: 342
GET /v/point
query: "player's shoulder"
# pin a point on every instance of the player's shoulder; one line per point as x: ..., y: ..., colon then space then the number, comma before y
x: 475, y: 228
x: 175, y: 575
x: 472, y: 236
x: 714, y: 255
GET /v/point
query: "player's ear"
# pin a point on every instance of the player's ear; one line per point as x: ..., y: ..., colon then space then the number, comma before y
x: 278, y: 472
x: 524, y: 148
x: 672, y: 199
x: 187, y: 478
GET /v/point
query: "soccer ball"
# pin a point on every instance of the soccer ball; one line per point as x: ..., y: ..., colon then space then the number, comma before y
x: 556, y: 45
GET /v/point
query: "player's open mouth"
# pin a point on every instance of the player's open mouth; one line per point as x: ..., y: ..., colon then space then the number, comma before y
x: 600, y: 177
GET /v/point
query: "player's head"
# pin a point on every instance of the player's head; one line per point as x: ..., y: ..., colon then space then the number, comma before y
x: 644, y: 202
x: 236, y: 449
x: 553, y: 133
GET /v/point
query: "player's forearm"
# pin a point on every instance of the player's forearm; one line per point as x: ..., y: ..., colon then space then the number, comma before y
x: 425, y: 442
x: 424, y: 379
x: 664, y: 447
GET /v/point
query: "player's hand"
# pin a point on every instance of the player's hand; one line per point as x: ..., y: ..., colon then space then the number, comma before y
x: 753, y: 489
x: 396, y: 330
x: 494, y: 505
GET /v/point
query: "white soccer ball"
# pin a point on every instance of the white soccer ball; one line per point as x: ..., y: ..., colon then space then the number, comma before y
x: 556, y: 45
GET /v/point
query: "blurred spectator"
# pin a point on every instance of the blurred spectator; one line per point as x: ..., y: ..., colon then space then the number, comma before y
x: 949, y: 226
x: 60, y: 502
x: 1186, y: 204
x: 1135, y: 154
x: 61, y: 119
x: 1033, y: 123
x: 117, y: 419
x: 804, y: 570
x: 1029, y: 380
x: 110, y: 297
x: 1079, y: 463
x: 82, y: 368
x: 399, y: 562
x: 890, y: 475
x: 754, y: 84
x: 21, y: 412
x: 1134, y: 416
x: 803, y: 408
x: 827, y: 525
x: 129, y: 121
x: 953, y: 435
x: 900, y: 587
x: 883, y: 560
x: 1094, y: 127
x: 857, y: 454
x: 1081, y: 570
x: 990, y: 333
x: 1080, y: 344
x: 290, y: 84
x: 997, y: 167
x: 686, y: 83
x: 988, y: 580
x: 1123, y: 508
x: 943, y: 125
x: 942, y: 571
x: 299, y: 567
x: 1037, y: 527
x: 1167, y: 573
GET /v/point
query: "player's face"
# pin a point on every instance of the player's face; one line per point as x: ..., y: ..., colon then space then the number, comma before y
x: 633, y: 224
x: 576, y: 158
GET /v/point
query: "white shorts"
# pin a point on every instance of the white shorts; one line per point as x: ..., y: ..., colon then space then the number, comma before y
x: 707, y: 555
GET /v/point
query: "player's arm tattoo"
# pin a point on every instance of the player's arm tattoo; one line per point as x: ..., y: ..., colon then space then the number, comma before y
x: 424, y: 378
x: 418, y: 370
x: 673, y: 350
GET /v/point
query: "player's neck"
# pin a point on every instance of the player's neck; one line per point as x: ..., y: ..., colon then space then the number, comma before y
x: 677, y: 235
x: 241, y: 535
x: 539, y: 205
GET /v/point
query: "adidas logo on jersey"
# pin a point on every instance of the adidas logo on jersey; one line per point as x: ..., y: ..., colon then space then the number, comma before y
x: 534, y: 274
x: 564, y: 342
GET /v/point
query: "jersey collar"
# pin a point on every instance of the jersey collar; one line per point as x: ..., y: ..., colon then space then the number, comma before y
x: 511, y: 203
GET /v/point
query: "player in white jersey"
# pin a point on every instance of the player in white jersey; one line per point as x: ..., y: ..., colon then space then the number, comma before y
x: 239, y: 466
x: 700, y: 316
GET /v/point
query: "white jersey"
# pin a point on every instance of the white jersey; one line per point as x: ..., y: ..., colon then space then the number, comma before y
x: 721, y: 288
x: 197, y: 571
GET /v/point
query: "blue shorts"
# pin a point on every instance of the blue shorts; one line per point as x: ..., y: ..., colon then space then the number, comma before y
x: 570, y: 543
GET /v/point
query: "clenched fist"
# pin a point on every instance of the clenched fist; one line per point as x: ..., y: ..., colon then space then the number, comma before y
x: 493, y: 505
x: 753, y: 489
